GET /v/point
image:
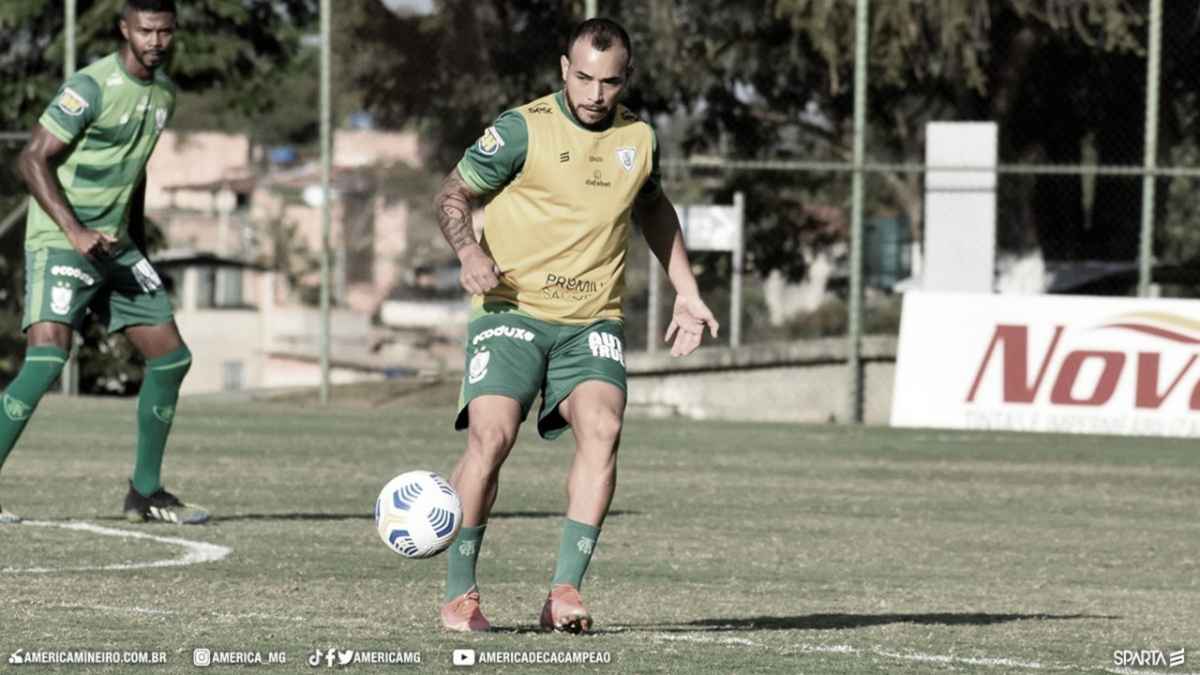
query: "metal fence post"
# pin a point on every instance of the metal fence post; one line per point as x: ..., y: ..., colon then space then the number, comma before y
x: 854, y: 306
x: 1150, y: 151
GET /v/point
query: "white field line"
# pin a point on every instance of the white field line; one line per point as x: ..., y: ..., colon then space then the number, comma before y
x: 168, y: 612
x: 918, y: 657
x: 195, y: 552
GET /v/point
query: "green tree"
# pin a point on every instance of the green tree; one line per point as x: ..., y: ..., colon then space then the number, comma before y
x: 773, y: 80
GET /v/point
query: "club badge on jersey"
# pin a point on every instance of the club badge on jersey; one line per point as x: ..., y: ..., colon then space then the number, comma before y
x: 490, y: 142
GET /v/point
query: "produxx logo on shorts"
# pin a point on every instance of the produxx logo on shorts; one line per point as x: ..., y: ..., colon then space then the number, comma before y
x: 73, y: 272
x: 504, y: 331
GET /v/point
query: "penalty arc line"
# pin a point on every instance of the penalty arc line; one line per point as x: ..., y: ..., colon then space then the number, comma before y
x: 196, y: 552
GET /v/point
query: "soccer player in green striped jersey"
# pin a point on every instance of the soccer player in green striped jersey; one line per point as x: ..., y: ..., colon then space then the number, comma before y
x: 85, y: 167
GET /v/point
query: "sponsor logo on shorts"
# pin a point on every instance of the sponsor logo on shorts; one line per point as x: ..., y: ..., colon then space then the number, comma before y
x: 504, y: 331
x: 60, y: 298
x: 478, y: 368
x: 73, y: 272
x: 146, y: 277
x: 606, y: 346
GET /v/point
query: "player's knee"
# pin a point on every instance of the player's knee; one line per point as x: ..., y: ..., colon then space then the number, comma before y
x: 169, y: 370
x: 490, y: 443
x: 601, y: 426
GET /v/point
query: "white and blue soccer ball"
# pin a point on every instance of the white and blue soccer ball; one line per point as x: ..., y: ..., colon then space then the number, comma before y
x: 418, y: 514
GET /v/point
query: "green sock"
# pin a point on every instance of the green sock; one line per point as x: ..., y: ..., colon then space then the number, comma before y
x: 156, y: 411
x: 41, y: 368
x: 575, y: 552
x: 463, y: 553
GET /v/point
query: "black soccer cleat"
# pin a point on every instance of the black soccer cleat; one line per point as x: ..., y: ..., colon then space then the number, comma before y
x: 162, y: 506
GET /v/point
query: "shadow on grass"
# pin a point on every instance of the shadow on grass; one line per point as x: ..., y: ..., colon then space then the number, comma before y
x: 846, y: 621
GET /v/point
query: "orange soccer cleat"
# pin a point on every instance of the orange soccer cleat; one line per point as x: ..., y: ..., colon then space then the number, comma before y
x: 564, y: 611
x: 462, y: 614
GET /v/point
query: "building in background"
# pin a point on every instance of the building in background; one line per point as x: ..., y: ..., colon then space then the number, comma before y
x: 243, y: 237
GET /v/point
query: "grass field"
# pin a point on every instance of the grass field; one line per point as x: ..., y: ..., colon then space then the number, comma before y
x: 732, y: 548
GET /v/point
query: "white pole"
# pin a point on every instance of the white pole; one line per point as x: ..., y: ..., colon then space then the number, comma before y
x: 735, y: 309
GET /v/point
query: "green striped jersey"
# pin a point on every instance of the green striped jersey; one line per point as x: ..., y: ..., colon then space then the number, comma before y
x: 111, y: 120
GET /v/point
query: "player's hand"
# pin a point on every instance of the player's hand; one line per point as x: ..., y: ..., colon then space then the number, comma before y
x: 92, y: 243
x: 688, y: 320
x: 480, y: 273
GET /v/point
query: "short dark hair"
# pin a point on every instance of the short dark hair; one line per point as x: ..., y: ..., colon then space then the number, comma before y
x: 132, y: 6
x: 601, y: 33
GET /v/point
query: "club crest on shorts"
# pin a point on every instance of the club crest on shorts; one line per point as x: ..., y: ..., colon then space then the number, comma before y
x: 626, y: 156
x: 490, y: 142
x: 60, y: 298
x: 478, y: 368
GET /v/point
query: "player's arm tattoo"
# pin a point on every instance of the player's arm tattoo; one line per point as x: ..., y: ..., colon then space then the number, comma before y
x: 453, y: 205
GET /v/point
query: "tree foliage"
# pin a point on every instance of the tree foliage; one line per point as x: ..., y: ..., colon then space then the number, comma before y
x: 774, y: 80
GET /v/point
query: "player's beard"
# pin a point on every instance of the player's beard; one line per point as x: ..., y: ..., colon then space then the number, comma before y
x: 575, y: 110
x: 151, y: 59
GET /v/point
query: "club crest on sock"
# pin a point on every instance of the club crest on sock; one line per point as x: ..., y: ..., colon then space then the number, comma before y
x: 15, y: 409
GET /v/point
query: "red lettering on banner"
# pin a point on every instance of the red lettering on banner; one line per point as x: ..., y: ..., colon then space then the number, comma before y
x: 1013, y: 353
x: 1014, y: 344
x: 1069, y: 372
x: 1147, y: 381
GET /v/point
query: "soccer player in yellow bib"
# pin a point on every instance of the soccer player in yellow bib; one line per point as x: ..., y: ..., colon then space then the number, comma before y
x: 566, y: 174
x: 85, y: 168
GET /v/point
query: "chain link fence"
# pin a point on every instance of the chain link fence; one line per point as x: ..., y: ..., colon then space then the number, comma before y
x: 1072, y: 200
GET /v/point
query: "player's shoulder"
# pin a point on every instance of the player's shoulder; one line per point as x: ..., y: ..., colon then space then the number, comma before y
x: 161, y: 79
x: 539, y: 107
x: 100, y: 69
x: 625, y: 117
x: 82, y: 89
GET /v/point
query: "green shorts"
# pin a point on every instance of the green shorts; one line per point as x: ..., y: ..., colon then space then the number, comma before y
x: 122, y: 290
x: 513, y: 355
